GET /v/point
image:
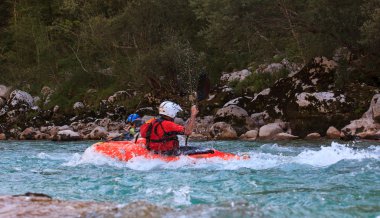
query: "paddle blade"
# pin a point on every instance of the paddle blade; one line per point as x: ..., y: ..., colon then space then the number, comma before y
x: 203, y: 86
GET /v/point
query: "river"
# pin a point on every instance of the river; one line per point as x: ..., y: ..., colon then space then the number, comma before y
x: 281, y: 179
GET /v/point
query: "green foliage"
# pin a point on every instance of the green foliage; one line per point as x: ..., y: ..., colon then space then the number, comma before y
x: 371, y: 27
x: 256, y: 82
x: 160, y: 46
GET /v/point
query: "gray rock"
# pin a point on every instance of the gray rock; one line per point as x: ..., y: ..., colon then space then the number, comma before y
x: 41, y: 136
x: 223, y: 131
x: 250, y: 135
x: 313, y: 135
x: 103, y: 122
x: 20, y: 98
x: 285, y: 136
x: 65, y: 127
x: 232, y: 111
x: 374, y: 109
x: 98, y: 133
x: 238, y: 75
x: 78, y: 107
x: 203, y: 125
x: 371, y: 135
x: 68, y: 135
x: 28, y: 134
x: 5, y: 92
x: 270, y: 130
x: 333, y: 133
x: 260, y: 119
x: 359, y: 126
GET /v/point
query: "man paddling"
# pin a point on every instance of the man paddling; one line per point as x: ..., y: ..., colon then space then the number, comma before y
x: 161, y: 133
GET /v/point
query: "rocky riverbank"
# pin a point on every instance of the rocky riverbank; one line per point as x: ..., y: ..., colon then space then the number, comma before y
x: 306, y: 104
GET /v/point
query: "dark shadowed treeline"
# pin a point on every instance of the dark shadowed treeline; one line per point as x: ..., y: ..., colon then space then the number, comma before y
x: 76, y: 45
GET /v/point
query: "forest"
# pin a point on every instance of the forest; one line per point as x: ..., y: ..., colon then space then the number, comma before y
x: 74, y: 46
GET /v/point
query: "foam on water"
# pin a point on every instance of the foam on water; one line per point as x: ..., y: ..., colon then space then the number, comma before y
x: 259, y: 159
x: 336, y: 152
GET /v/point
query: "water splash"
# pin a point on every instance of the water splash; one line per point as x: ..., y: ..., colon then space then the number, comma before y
x: 336, y: 152
x: 260, y: 159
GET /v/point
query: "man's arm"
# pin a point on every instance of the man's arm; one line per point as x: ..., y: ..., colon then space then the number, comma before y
x: 191, y: 124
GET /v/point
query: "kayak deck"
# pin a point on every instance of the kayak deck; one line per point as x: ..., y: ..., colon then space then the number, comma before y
x: 126, y: 150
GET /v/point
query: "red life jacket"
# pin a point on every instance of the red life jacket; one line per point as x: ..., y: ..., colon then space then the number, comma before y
x: 159, y: 140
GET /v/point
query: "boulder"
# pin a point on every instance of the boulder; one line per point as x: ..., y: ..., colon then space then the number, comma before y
x: 3, y: 136
x: 374, y: 109
x: 79, y: 107
x: 67, y: 135
x: 41, y: 136
x: 371, y: 135
x: 77, y: 126
x: 65, y: 127
x: 115, y: 126
x: 260, y: 119
x: 218, y: 98
x: 53, y: 130
x: 232, y: 111
x: 198, y: 137
x: 103, y: 122
x: 236, y: 116
x: 285, y: 136
x: 5, y: 92
x: 112, y: 135
x: 250, y: 135
x: 235, y: 76
x: 203, y: 125
x: 333, y: 133
x: 28, y: 134
x: 313, y: 136
x: 358, y: 126
x: 270, y: 130
x: 98, y: 133
x: 14, y: 133
x: 223, y: 131
x: 277, y: 67
x: 20, y: 99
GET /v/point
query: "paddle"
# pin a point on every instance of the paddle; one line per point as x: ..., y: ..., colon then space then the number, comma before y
x: 203, y: 90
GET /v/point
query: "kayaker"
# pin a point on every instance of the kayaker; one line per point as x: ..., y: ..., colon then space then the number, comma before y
x: 161, y: 133
x: 134, y: 122
x: 133, y: 125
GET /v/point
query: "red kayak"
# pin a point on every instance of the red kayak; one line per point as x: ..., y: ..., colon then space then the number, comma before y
x: 126, y: 150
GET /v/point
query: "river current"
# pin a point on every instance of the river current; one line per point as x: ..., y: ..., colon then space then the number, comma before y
x: 281, y: 179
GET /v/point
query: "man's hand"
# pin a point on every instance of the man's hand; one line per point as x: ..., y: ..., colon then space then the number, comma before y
x: 194, y: 111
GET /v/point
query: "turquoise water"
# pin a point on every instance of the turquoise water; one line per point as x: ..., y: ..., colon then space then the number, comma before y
x: 284, y: 179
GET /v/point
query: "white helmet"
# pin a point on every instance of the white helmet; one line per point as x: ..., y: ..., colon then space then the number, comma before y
x: 169, y: 109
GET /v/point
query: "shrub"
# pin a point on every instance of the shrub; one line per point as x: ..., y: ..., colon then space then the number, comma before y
x: 256, y: 82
